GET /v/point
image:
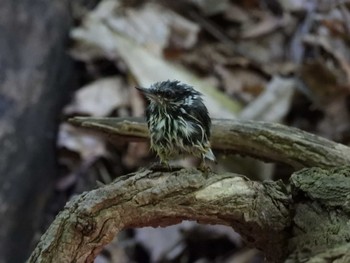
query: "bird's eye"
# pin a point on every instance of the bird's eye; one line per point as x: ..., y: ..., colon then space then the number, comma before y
x: 168, y: 93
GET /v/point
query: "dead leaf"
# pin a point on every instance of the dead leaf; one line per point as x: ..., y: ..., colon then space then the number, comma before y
x: 150, y: 25
x: 99, y: 98
x: 264, y: 51
x: 237, y: 14
x: 148, y: 67
x: 240, y: 82
x: 88, y: 146
x: 339, y: 53
x: 274, y: 103
x: 267, y: 25
x: 336, y: 123
x: 211, y: 7
x: 293, y: 5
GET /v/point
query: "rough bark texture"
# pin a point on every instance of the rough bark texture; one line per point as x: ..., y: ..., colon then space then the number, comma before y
x: 258, y: 211
x: 267, y: 141
x: 321, y: 230
x: 34, y: 74
x: 307, y: 224
x: 310, y: 224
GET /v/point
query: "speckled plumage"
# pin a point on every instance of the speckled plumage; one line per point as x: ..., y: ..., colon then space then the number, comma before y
x: 178, y: 121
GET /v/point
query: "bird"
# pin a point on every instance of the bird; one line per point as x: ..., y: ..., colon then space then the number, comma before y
x: 178, y: 121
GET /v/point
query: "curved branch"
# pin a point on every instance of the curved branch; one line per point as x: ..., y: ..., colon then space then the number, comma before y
x: 259, y: 211
x: 266, y: 141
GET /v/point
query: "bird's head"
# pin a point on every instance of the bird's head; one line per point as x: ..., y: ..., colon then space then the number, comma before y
x: 170, y: 94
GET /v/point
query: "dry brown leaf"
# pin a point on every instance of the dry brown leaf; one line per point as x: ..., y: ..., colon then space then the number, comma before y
x: 274, y: 103
x: 86, y: 53
x: 150, y: 25
x: 339, y: 53
x: 99, y: 98
x: 153, y: 69
x: 336, y: 123
x: 183, y: 34
x: 240, y: 82
x: 263, y: 51
x: 147, y: 67
x: 211, y: 7
x: 87, y: 145
x: 293, y: 5
x: 236, y: 13
x: 267, y: 25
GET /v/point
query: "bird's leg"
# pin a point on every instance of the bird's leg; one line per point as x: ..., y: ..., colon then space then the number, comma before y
x: 162, y: 165
x: 203, y: 166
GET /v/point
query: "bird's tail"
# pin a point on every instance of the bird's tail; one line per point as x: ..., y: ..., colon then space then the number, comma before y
x: 210, y: 155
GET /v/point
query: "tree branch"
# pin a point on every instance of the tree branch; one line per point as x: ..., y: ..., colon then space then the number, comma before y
x: 266, y: 141
x: 259, y: 211
x: 321, y: 212
x: 267, y: 216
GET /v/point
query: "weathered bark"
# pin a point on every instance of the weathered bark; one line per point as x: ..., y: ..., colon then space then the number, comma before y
x: 310, y: 224
x: 259, y: 211
x: 307, y: 224
x: 267, y: 141
x: 34, y: 74
x: 321, y: 230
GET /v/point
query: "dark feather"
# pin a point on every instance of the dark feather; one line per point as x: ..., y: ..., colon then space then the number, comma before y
x: 178, y: 120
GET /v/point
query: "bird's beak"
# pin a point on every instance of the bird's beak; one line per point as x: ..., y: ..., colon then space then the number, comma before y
x: 148, y: 93
x: 143, y: 90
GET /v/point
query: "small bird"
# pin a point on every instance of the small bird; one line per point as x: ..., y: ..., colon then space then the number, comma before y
x: 178, y: 121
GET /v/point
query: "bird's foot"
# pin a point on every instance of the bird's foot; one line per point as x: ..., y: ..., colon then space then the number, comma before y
x: 163, y: 167
x: 205, y: 168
